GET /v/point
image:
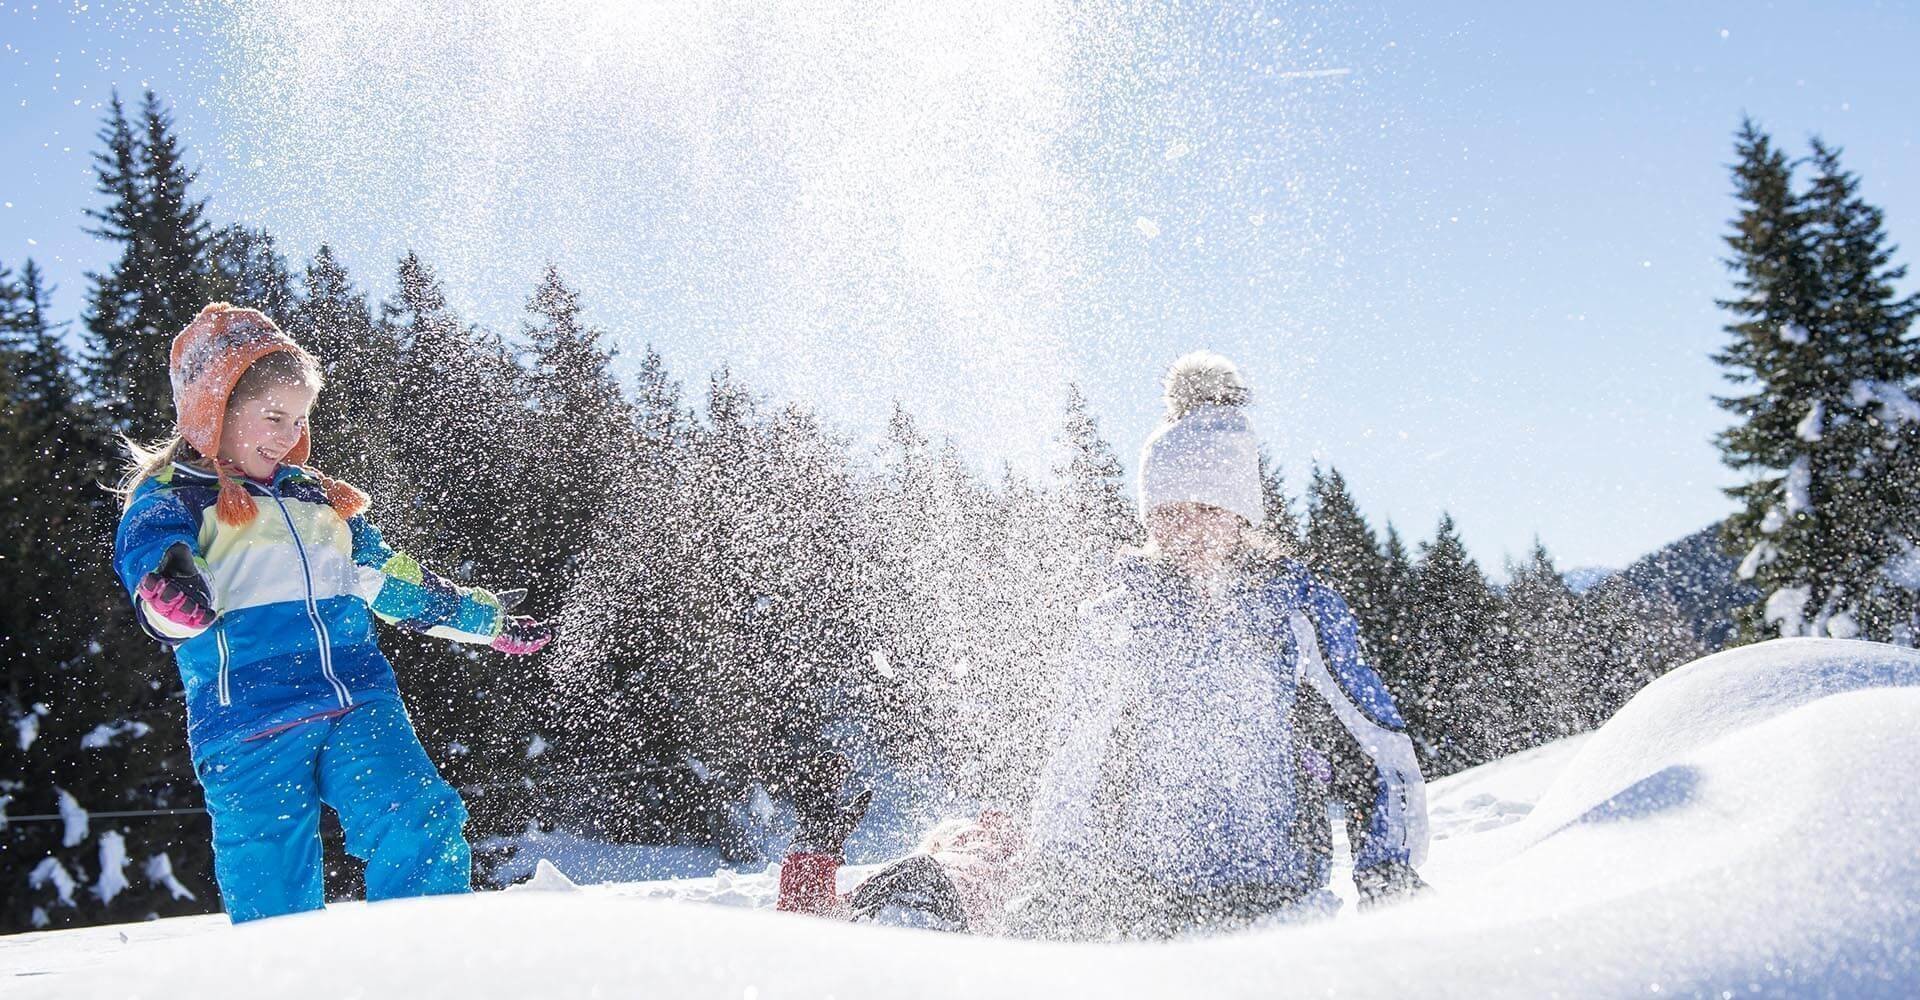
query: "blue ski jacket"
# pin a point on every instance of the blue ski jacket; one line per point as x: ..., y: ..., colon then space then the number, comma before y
x: 1177, y: 751
x: 296, y: 591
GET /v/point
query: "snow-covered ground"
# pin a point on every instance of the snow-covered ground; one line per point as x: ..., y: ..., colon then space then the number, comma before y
x: 1743, y: 827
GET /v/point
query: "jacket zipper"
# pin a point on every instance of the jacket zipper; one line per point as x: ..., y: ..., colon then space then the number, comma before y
x: 226, y: 655
x: 313, y: 608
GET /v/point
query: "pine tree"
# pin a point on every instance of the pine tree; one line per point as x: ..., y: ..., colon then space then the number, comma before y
x: 1343, y: 552
x: 1092, y: 492
x: 1628, y: 638
x: 163, y: 275
x: 460, y: 432
x: 462, y: 416
x: 914, y: 527
x: 43, y: 397
x: 579, y: 414
x: 1462, y: 714
x: 1821, y: 347
x: 1393, y: 628
x: 1340, y: 546
x: 1547, y: 700
x: 1870, y: 327
x: 248, y: 270
x: 43, y: 472
x: 1281, y: 524
x: 353, y: 419
x: 85, y: 699
x: 624, y: 672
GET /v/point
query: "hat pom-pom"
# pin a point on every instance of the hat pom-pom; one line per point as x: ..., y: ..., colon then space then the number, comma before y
x: 1203, y: 378
x: 235, y: 505
x: 346, y: 499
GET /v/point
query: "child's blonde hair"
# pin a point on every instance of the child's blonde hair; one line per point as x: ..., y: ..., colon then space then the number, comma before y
x: 281, y: 368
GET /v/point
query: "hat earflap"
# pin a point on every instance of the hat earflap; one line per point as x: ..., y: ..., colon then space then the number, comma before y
x: 235, y: 506
x: 346, y: 499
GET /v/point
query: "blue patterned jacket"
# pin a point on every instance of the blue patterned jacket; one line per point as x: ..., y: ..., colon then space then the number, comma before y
x: 1178, y: 755
x: 296, y: 591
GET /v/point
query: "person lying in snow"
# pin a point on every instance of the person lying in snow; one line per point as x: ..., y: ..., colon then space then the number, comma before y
x: 1222, y: 696
x: 957, y: 880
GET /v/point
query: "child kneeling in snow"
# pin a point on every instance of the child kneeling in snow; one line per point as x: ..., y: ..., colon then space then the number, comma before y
x: 1221, y: 696
x: 264, y: 576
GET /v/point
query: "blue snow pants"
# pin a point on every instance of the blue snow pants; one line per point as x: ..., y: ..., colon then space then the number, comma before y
x: 399, y: 815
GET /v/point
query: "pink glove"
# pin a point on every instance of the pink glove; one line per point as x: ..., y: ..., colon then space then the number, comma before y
x: 521, y: 635
x: 175, y: 590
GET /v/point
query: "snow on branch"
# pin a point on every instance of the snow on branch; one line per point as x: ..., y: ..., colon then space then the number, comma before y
x: 1896, y: 407
x: 1799, y: 485
x: 1760, y: 555
x: 50, y: 870
x: 1903, y: 570
x: 103, y: 735
x: 1811, y: 427
x: 1787, y: 608
x: 160, y: 873
x: 73, y: 817
x: 113, y: 866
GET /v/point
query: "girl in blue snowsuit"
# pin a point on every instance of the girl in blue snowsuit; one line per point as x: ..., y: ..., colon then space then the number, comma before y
x: 1220, y: 698
x: 264, y: 576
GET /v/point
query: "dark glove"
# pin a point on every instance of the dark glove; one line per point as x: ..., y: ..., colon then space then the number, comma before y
x: 918, y: 891
x: 521, y: 635
x: 177, y: 592
x: 1388, y: 882
x: 826, y: 821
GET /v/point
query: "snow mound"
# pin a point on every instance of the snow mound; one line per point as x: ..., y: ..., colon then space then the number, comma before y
x: 1707, y: 700
x: 547, y: 877
x: 1742, y: 828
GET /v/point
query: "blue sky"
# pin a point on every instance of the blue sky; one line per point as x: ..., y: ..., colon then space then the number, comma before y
x: 1467, y: 253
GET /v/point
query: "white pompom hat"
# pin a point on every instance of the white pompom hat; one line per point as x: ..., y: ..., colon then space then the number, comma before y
x: 1204, y: 451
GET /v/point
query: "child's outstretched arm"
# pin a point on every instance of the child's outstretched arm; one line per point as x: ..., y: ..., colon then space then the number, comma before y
x: 398, y: 589
x: 154, y: 555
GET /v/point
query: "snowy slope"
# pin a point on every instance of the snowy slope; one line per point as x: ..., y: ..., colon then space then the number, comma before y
x: 1743, y: 827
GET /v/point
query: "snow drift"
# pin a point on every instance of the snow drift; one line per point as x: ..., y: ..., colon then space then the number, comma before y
x: 1741, y: 828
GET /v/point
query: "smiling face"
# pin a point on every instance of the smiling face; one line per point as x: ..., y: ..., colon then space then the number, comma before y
x: 260, y: 429
x: 1198, y: 537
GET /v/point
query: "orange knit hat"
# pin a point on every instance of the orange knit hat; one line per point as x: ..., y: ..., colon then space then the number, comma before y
x: 208, y: 358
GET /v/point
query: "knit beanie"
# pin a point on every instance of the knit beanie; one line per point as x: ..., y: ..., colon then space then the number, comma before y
x: 1204, y: 450
x: 207, y: 360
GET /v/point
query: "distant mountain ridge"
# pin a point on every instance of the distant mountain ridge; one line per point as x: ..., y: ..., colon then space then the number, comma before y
x: 1696, y: 575
x: 1581, y: 579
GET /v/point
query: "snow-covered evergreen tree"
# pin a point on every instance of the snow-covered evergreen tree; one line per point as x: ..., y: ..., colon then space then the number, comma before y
x: 1341, y: 547
x: 461, y: 437
x: 1093, y: 494
x: 1457, y: 656
x: 1549, y: 666
x: 1388, y: 648
x: 353, y: 419
x: 1281, y: 523
x: 164, y: 273
x: 1343, y: 551
x: 85, y: 716
x: 248, y: 270
x: 1821, y: 351
x: 1871, y: 327
x: 579, y: 413
x: 106, y: 727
